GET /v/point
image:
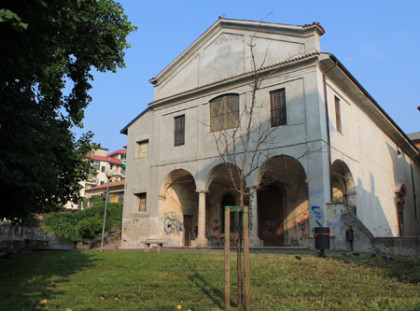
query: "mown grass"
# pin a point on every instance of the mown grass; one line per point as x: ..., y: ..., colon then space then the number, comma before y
x: 89, y: 280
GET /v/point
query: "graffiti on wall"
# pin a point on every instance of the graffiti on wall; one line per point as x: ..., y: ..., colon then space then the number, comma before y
x: 337, y: 224
x: 172, y: 223
x: 317, y: 215
x: 302, y: 227
x: 10, y: 232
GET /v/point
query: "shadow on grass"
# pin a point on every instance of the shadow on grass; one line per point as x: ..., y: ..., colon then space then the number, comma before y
x: 405, y: 269
x: 30, y: 278
x: 215, y: 294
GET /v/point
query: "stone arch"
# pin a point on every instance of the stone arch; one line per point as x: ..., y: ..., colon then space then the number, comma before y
x: 282, y: 200
x: 178, y: 208
x: 342, y: 183
x: 220, y: 191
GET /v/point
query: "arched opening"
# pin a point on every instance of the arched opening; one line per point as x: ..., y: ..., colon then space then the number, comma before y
x: 342, y: 183
x: 283, y: 209
x: 228, y: 200
x: 222, y: 183
x: 179, y: 208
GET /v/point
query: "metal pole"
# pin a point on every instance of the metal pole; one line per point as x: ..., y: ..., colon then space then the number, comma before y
x: 103, y: 226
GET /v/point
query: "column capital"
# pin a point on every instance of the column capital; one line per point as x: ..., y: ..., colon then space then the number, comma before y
x: 201, y: 191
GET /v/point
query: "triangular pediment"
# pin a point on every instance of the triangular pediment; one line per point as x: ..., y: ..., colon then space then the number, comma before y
x: 224, y: 50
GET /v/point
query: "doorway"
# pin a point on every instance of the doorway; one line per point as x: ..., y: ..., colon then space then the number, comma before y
x: 188, y: 230
x: 270, y: 215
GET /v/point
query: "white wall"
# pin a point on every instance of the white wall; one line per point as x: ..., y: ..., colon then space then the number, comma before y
x: 373, y: 160
x: 225, y: 53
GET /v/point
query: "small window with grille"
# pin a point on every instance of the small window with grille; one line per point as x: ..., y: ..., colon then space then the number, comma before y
x: 278, y: 107
x: 179, y: 132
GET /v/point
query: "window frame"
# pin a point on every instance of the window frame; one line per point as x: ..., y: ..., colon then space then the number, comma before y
x: 230, y: 117
x: 96, y: 165
x: 179, y: 130
x: 142, y: 201
x: 141, y: 143
x: 278, y: 109
x: 338, y: 120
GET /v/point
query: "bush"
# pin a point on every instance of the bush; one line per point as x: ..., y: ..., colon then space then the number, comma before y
x: 90, y: 228
x: 83, y: 225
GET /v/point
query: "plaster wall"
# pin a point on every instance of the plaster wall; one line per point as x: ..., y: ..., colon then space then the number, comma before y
x: 135, y: 224
x: 302, y: 138
x: 226, y: 53
x: 377, y: 165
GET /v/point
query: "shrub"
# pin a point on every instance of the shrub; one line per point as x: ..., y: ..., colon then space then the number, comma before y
x: 90, y: 228
x: 85, y: 224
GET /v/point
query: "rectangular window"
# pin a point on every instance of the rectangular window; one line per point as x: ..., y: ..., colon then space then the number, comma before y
x: 102, y: 169
x: 278, y: 108
x: 142, y: 201
x: 143, y: 148
x: 224, y: 112
x: 179, y: 133
x: 95, y: 165
x: 338, y: 114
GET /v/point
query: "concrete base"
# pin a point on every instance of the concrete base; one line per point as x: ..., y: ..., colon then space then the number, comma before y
x: 199, y: 243
x: 255, y: 242
x: 397, y: 245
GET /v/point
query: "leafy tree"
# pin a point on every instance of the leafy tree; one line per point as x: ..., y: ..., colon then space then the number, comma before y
x: 49, y: 49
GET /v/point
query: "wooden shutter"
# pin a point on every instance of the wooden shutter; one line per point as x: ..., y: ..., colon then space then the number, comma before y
x: 179, y: 130
x: 278, y: 107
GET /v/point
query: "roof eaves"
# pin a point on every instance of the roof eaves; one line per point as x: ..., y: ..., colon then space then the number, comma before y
x: 214, y: 25
x: 232, y: 78
x: 375, y: 103
x: 230, y: 22
x: 125, y: 129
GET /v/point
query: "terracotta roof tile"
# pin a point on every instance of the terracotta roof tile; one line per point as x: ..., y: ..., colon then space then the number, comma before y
x: 111, y: 185
x: 119, y: 151
x: 104, y: 159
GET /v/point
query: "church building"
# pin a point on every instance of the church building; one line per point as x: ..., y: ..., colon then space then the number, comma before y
x: 322, y: 152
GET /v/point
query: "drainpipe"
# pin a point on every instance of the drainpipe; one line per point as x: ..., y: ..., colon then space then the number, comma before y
x: 328, y: 124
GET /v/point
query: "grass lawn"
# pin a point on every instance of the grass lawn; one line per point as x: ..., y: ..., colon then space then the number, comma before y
x: 89, y: 280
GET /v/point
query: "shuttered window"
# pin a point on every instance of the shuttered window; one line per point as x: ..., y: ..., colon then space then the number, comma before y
x: 142, y: 201
x: 338, y: 114
x: 143, y: 147
x: 179, y: 133
x: 278, y: 107
x: 224, y: 112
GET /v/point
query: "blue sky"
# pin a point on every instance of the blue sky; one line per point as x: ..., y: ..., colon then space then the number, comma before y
x: 378, y: 42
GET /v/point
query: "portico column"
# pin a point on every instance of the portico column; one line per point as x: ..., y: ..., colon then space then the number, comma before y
x: 254, y: 240
x: 201, y: 234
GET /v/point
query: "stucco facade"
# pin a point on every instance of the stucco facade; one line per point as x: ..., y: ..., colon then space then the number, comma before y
x: 321, y: 168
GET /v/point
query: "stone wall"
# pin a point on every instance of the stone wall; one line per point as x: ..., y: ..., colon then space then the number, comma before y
x: 397, y: 245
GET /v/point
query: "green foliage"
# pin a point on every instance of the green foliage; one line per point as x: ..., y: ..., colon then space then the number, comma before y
x: 89, y: 228
x: 49, y: 50
x: 83, y: 225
